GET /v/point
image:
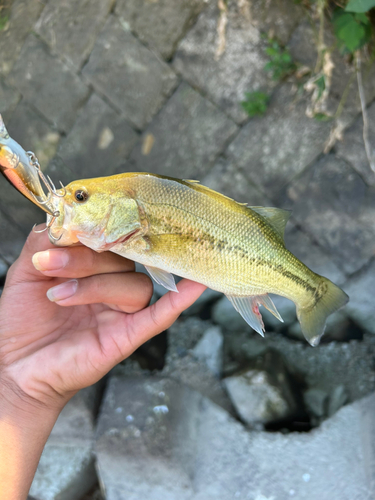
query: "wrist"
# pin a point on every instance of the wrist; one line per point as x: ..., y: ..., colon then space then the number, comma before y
x: 18, y: 407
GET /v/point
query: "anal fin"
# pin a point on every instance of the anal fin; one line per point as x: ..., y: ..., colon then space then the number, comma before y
x: 162, y: 278
x: 248, y: 307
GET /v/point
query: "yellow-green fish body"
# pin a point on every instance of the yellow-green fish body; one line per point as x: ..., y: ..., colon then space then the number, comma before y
x: 184, y: 228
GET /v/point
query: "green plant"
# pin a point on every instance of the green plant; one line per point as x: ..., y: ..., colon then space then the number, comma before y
x: 352, y: 29
x: 256, y: 103
x: 281, y: 63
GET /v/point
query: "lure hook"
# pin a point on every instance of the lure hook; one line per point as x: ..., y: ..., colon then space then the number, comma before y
x: 49, y: 226
x: 47, y: 181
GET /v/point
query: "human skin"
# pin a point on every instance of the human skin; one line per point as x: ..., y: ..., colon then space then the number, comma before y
x: 52, y: 347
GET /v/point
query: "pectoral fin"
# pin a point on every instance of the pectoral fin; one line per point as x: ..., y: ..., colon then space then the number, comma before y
x: 162, y: 278
x: 248, y: 307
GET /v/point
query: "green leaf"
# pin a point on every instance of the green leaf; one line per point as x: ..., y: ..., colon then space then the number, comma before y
x: 352, y: 30
x: 256, y: 103
x: 360, y: 5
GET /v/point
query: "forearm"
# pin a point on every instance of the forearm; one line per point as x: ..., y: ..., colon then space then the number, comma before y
x: 24, y: 429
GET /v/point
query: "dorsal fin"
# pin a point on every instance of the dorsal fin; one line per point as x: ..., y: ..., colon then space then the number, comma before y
x: 276, y: 217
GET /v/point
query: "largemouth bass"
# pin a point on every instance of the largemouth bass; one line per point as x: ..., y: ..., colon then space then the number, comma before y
x: 181, y: 227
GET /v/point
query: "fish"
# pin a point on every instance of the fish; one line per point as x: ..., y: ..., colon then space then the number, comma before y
x: 175, y: 226
x: 181, y: 227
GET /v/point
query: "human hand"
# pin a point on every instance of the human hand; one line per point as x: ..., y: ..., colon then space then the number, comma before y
x: 49, y: 349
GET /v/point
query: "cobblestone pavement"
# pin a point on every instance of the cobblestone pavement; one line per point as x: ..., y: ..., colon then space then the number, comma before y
x: 101, y: 87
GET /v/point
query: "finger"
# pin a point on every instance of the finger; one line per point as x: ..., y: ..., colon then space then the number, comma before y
x: 159, y: 316
x: 79, y: 262
x: 130, y: 291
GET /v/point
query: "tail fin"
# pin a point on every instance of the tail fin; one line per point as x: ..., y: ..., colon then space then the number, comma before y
x: 328, y: 299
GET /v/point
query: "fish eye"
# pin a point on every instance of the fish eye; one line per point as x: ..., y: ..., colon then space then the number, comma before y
x: 81, y: 196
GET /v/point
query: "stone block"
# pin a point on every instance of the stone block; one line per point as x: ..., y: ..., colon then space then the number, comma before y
x: 21, y: 21
x: 128, y: 74
x: 210, y: 350
x: 66, y: 468
x: 190, y: 361
x: 12, y: 237
x: 159, y: 440
x: 3, y: 269
x: 33, y: 133
x: 328, y: 201
x: 277, y: 18
x: 352, y: 148
x: 99, y: 141
x: 187, y: 136
x: 146, y: 439
x: 323, y: 367
x: 70, y: 28
x: 262, y: 393
x: 360, y: 289
x: 58, y: 96
x: 239, y: 69
x: 160, y: 24
x: 274, y: 148
x: 227, y: 179
x: 9, y: 98
x: 317, y: 258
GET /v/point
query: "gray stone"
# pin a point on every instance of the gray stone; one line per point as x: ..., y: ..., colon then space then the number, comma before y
x: 224, y: 314
x: 3, y: 268
x: 99, y: 141
x: 21, y: 21
x: 66, y: 469
x: 274, y: 148
x: 238, y: 70
x: 183, y: 365
x: 337, y: 399
x: 316, y: 401
x: 59, y: 171
x: 70, y: 28
x: 323, y: 367
x: 352, y: 148
x: 210, y: 350
x: 360, y: 289
x: 227, y: 179
x: 278, y: 19
x: 159, y: 24
x: 9, y: 98
x: 146, y: 439
x: 203, y: 303
x: 262, y: 393
x: 187, y: 136
x: 314, y: 256
x: 12, y: 237
x: 34, y: 133
x: 128, y: 74
x: 57, y: 97
x: 159, y: 440
x: 328, y: 200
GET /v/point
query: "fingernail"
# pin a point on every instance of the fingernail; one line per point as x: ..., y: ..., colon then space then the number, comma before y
x: 63, y: 291
x: 50, y: 260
